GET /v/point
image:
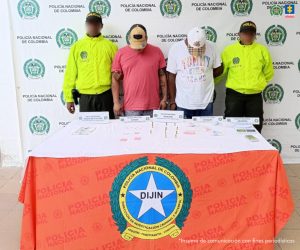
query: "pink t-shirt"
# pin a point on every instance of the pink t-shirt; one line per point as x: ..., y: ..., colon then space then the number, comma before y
x: 141, y: 78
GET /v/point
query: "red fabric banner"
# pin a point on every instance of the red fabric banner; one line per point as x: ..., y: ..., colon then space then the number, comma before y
x: 216, y: 201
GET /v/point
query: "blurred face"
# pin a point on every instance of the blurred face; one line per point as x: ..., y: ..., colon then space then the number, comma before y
x: 93, y: 28
x: 141, y: 49
x: 247, y: 38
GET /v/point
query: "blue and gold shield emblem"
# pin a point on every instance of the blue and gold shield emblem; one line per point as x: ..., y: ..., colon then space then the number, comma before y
x: 150, y: 201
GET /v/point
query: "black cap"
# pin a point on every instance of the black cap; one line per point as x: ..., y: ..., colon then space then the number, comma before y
x: 93, y: 17
x: 248, y: 27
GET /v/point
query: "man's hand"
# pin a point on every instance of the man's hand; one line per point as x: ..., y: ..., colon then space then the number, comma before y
x: 71, y: 107
x: 218, y: 71
x: 118, y: 109
x: 173, y: 106
x: 163, y: 105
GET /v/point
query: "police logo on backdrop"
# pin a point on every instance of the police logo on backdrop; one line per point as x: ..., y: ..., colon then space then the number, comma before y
x: 127, y: 37
x: 273, y: 93
x: 39, y: 125
x: 276, y: 35
x: 276, y: 144
x: 34, y: 69
x: 28, y: 9
x: 276, y: 10
x: 62, y: 98
x: 211, y: 34
x: 241, y: 7
x: 102, y: 7
x: 150, y: 201
x: 65, y: 38
x: 170, y: 8
x: 297, y: 121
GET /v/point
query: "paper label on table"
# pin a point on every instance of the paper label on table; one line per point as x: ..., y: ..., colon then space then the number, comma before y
x: 135, y: 118
x: 246, y: 130
x: 97, y: 117
x: 217, y: 133
x: 168, y: 116
x: 243, y: 120
x: 252, y: 138
x: 84, y: 131
x: 207, y: 118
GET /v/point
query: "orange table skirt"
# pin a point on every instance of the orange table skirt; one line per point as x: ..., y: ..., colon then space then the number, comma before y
x: 219, y: 201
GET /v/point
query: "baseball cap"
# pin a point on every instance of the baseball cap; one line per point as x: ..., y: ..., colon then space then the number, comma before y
x: 93, y: 17
x: 196, y: 37
x: 137, y: 37
x: 248, y: 27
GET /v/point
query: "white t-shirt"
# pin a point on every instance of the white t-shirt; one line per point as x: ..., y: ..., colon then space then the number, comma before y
x: 194, y: 77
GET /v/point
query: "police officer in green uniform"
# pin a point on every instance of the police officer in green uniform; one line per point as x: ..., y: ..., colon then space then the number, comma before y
x: 89, y: 70
x: 249, y: 68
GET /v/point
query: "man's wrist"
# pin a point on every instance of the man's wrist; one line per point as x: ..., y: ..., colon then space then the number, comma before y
x: 116, y: 100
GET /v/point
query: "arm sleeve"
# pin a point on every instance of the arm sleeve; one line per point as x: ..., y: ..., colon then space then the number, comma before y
x: 162, y: 60
x: 224, y: 60
x: 114, y: 50
x: 172, y: 64
x: 217, y: 58
x: 268, y: 67
x: 116, y: 65
x: 70, y: 76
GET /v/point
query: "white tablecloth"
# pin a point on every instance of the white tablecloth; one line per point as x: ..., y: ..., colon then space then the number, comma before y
x: 87, y: 139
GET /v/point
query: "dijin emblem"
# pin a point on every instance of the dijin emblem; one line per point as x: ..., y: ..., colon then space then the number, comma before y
x: 150, y: 201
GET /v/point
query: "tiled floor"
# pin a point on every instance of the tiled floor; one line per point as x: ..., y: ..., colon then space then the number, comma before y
x: 11, y: 210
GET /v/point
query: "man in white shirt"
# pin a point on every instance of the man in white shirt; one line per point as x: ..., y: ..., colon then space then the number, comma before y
x: 192, y: 65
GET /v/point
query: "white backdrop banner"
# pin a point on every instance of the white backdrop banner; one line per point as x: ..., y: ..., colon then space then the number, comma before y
x: 10, y: 139
x: 43, y: 31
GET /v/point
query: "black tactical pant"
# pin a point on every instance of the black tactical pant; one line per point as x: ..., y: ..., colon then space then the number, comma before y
x: 244, y: 105
x: 97, y: 103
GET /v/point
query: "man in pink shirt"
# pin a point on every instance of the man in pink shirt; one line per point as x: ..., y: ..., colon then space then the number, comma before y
x: 142, y: 68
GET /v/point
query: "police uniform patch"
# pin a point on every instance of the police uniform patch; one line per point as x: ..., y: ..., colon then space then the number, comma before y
x: 83, y: 55
x: 150, y: 201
